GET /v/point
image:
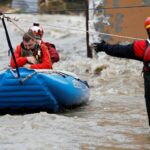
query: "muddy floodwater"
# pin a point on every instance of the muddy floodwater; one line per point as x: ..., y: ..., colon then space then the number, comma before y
x: 115, y: 117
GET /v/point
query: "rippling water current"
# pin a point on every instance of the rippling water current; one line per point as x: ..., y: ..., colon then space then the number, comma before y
x: 115, y: 117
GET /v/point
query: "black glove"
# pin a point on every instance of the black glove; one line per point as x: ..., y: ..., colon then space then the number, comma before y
x: 98, y: 47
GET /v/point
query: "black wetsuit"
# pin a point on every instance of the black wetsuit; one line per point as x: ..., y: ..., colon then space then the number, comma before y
x: 136, y: 51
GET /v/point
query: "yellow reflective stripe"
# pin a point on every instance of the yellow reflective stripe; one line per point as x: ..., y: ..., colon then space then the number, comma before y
x: 36, y: 57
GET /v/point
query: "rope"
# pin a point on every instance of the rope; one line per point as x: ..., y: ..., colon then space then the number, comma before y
x: 121, y: 36
x: 93, y: 32
x: 75, y: 29
x: 11, y: 20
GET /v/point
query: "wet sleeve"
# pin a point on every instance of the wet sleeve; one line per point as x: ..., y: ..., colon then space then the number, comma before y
x: 21, y: 61
x: 122, y: 51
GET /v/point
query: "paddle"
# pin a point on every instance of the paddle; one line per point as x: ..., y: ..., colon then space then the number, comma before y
x: 9, y: 44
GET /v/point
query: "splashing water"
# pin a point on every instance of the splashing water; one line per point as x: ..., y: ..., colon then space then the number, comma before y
x: 115, y: 117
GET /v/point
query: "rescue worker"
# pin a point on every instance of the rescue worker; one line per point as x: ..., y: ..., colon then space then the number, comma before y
x: 39, y: 32
x: 138, y: 50
x: 30, y: 54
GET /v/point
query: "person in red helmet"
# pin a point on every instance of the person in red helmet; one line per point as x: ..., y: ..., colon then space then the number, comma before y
x: 39, y: 32
x: 30, y: 54
x: 137, y: 50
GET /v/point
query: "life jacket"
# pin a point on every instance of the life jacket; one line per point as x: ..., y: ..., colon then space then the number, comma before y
x: 36, y: 52
x: 146, y: 57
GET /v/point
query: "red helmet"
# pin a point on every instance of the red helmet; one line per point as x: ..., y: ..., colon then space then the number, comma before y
x: 147, y: 23
x: 37, y: 30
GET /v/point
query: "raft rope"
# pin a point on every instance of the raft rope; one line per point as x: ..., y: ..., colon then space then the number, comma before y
x: 23, y: 79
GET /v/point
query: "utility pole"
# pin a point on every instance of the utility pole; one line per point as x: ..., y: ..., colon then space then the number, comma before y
x: 89, y: 50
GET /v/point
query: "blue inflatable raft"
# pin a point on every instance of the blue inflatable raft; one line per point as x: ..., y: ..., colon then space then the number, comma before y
x: 42, y: 90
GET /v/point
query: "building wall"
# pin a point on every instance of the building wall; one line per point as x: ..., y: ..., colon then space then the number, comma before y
x: 125, y: 21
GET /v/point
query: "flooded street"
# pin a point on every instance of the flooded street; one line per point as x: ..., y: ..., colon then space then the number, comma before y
x: 115, y: 117
x: 117, y: 124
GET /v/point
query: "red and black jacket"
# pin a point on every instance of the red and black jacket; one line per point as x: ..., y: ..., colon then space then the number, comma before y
x: 45, y: 62
x: 133, y: 51
x: 138, y: 50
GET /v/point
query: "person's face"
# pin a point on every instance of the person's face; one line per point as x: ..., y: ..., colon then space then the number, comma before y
x: 29, y: 45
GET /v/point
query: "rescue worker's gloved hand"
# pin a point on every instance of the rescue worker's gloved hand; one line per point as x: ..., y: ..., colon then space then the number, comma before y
x: 98, y: 47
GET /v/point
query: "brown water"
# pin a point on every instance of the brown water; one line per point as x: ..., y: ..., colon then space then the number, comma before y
x: 115, y: 117
x: 120, y: 122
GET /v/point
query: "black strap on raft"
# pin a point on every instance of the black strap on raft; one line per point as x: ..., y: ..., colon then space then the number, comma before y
x: 10, y: 46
